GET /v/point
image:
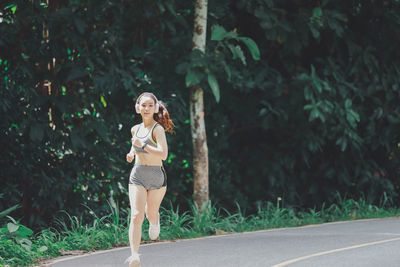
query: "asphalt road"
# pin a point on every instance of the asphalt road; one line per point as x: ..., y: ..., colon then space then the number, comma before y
x: 366, y: 243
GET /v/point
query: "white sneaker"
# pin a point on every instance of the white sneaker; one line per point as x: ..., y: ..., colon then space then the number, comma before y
x: 133, y: 260
x: 154, y: 229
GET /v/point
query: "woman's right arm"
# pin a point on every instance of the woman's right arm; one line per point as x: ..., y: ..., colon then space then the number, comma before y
x: 133, y: 129
x: 130, y: 156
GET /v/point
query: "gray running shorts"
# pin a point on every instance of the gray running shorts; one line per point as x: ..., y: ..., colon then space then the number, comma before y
x: 150, y: 177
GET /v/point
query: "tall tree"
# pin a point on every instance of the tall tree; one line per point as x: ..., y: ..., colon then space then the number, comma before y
x: 199, y: 138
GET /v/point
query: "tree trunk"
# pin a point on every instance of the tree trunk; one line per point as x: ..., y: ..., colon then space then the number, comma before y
x: 199, y: 138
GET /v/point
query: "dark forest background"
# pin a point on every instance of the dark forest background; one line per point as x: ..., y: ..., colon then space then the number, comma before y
x: 318, y: 115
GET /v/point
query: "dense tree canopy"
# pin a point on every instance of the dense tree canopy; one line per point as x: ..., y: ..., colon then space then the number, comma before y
x: 318, y: 114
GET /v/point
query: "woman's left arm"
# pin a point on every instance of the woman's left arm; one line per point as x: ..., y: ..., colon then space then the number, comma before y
x: 162, y: 147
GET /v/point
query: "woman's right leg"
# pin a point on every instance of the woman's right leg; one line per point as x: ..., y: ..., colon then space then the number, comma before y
x: 137, y: 199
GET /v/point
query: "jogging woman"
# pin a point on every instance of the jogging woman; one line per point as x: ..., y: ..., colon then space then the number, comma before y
x: 148, y: 180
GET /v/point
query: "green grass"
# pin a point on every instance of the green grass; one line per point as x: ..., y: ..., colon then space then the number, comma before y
x: 112, y: 230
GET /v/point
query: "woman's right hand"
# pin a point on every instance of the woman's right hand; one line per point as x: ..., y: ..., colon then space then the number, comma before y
x: 129, y: 157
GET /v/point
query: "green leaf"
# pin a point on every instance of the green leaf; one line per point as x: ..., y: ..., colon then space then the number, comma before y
x: 218, y: 33
x: 103, y: 101
x: 212, y: 81
x: 308, y: 107
x: 64, y: 90
x: 263, y: 112
x: 355, y: 115
x: 342, y: 141
x: 313, y: 75
x: 252, y: 46
x: 42, y: 249
x: 314, y: 31
x: 308, y: 93
x: 318, y: 85
x: 171, y: 9
x: 347, y: 103
x: 7, y: 211
x: 161, y: 7
x: 350, y: 119
x: 303, y: 77
x: 13, y: 8
x: 26, y: 247
x: 315, y: 113
x: 335, y: 25
x: 25, y: 231
x: 25, y: 56
x: 192, y: 78
x: 25, y: 243
x: 326, y: 86
x: 315, y: 79
x: 339, y: 16
x: 378, y: 112
x: 227, y: 70
x: 12, y: 227
x: 9, y: 6
x: 237, y: 53
x: 317, y: 12
x: 12, y: 219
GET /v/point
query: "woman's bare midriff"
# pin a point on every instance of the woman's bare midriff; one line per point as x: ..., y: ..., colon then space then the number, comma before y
x: 147, y: 159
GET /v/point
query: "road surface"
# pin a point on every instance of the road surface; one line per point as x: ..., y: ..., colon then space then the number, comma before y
x: 366, y: 243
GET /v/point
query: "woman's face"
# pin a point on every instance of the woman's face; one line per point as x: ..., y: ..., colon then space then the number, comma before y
x: 146, y: 106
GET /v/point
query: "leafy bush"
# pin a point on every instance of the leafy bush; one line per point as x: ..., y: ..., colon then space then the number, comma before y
x: 317, y: 114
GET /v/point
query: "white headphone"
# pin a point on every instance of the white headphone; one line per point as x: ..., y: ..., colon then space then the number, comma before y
x: 156, y: 105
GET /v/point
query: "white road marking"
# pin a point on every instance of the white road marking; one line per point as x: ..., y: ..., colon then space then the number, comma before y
x: 285, y: 263
x: 89, y: 253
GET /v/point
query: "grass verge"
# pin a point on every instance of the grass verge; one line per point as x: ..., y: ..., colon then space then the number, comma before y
x: 112, y: 230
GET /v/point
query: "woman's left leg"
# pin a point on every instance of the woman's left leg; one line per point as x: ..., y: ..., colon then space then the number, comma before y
x: 154, y: 199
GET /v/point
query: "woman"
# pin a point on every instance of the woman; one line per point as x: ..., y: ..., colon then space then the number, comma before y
x: 148, y: 180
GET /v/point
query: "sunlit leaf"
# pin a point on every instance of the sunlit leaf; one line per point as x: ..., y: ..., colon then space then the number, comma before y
x: 218, y: 33
x: 252, y: 46
x: 212, y: 81
x: 103, y: 101
x: 43, y: 249
x: 12, y: 227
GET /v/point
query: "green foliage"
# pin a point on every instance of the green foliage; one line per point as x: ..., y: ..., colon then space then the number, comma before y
x: 317, y: 114
x: 15, y: 239
x: 176, y: 222
x: 100, y: 68
x: 69, y: 233
x: 201, y: 66
x: 18, y: 233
